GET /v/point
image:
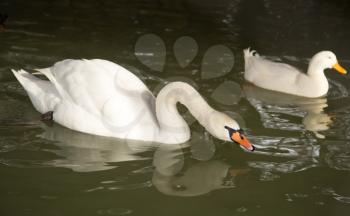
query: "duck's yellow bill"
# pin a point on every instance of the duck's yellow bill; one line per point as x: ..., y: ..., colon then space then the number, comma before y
x: 339, y: 68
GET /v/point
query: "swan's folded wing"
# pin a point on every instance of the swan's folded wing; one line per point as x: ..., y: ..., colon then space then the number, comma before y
x: 42, y: 93
x: 92, y: 83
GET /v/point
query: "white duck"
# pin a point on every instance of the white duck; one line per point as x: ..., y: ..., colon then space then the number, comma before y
x: 287, y: 79
x: 102, y: 98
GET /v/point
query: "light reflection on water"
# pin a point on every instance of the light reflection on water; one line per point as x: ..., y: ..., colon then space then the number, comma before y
x: 303, y: 150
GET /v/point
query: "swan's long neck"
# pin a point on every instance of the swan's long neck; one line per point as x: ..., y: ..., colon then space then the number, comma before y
x: 173, y: 128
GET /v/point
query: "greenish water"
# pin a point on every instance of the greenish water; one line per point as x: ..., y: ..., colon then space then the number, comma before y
x: 302, y: 162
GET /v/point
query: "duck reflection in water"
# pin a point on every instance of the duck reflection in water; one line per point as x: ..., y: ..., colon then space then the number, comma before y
x: 273, y: 105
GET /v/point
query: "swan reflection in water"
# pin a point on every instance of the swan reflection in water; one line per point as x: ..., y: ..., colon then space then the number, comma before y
x: 87, y: 153
x: 177, y: 170
x: 173, y: 177
x: 273, y: 105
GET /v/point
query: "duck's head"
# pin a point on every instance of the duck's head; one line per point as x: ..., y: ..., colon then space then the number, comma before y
x: 226, y: 128
x: 328, y: 60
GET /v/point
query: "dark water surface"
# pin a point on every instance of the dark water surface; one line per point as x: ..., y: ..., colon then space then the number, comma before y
x: 302, y: 163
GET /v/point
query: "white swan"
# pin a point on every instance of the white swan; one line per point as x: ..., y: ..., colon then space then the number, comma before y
x: 287, y: 79
x: 102, y: 98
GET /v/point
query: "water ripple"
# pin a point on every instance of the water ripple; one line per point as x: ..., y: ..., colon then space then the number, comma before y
x: 28, y: 33
x: 331, y: 192
x: 115, y: 211
x: 120, y: 186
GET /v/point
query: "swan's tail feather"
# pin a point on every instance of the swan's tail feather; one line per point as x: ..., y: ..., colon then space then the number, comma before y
x: 38, y: 73
x: 61, y: 91
x: 42, y: 93
x: 46, y: 72
x: 26, y: 79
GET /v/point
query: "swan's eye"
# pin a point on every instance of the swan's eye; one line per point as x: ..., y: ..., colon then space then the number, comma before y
x: 231, y: 131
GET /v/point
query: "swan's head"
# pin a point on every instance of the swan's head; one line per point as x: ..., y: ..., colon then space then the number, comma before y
x: 327, y: 59
x: 237, y: 136
x: 225, y: 128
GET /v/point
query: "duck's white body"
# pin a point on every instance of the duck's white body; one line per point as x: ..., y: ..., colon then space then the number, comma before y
x: 287, y: 79
x: 102, y: 98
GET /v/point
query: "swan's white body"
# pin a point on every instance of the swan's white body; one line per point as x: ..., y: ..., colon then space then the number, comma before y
x: 102, y: 98
x: 287, y: 79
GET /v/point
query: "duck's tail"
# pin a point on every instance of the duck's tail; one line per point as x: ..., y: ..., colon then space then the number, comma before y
x: 248, y: 54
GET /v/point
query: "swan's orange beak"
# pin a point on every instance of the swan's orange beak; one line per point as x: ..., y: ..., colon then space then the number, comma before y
x: 242, y: 140
x: 339, y: 68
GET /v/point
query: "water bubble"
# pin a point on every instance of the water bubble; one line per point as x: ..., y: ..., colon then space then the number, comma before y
x: 242, y: 209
